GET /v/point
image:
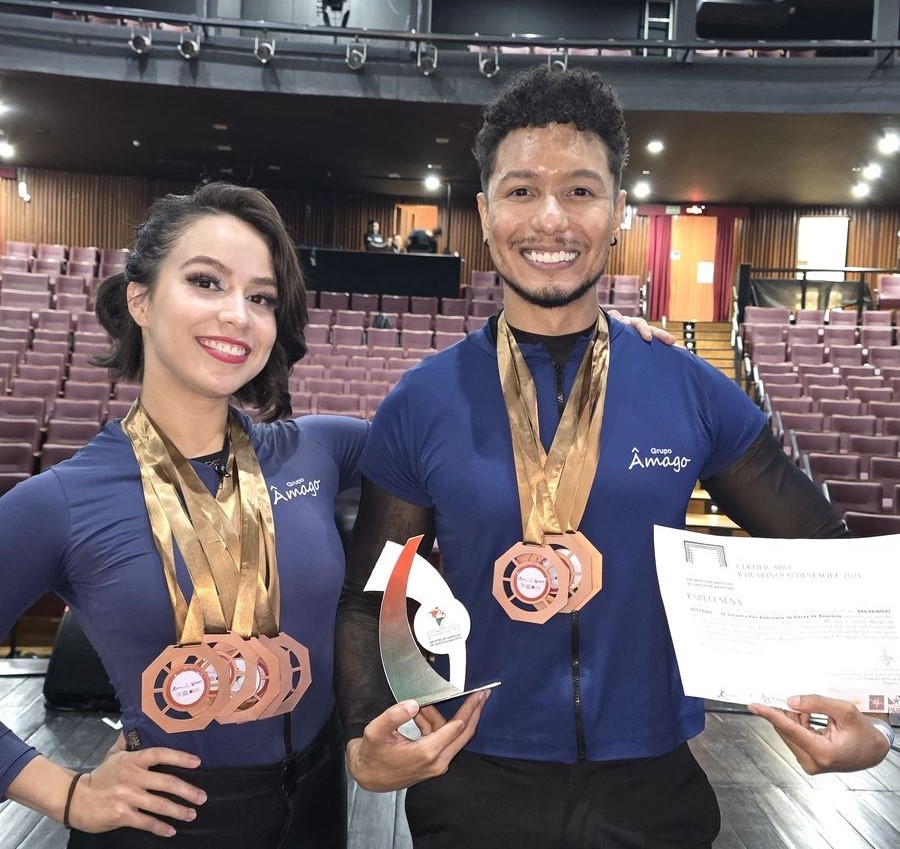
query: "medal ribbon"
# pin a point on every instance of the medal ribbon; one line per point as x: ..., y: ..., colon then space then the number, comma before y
x: 227, y: 541
x: 554, y: 486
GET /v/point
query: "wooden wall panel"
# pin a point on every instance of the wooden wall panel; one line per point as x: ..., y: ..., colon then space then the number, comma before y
x: 78, y: 209
x: 769, y: 236
x: 102, y: 210
x: 874, y: 238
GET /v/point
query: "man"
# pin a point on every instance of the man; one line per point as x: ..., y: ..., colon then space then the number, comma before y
x: 423, y: 241
x: 584, y: 743
x: 373, y: 240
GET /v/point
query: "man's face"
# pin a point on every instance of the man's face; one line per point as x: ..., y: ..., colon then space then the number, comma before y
x: 550, y: 213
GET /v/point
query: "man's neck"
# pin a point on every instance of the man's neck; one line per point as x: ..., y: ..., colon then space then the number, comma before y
x: 544, y: 321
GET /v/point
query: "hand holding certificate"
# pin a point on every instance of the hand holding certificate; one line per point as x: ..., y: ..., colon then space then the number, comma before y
x: 756, y: 621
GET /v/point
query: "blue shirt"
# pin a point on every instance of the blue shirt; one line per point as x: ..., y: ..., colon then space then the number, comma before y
x: 81, y: 529
x: 441, y: 439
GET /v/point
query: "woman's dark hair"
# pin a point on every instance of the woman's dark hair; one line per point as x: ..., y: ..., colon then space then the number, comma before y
x: 167, y: 220
x: 548, y: 95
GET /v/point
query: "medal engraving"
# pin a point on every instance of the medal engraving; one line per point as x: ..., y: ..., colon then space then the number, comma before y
x: 180, y: 689
x: 531, y: 582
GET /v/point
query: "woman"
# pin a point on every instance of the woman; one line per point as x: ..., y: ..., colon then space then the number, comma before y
x: 172, y: 565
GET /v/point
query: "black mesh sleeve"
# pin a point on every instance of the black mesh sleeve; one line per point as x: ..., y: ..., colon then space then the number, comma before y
x: 768, y: 496
x: 362, y: 689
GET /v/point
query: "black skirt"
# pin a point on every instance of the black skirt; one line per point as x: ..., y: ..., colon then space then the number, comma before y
x: 300, y: 803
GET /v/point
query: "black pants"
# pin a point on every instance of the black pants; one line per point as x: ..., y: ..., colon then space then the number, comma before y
x: 499, y: 803
x: 300, y: 803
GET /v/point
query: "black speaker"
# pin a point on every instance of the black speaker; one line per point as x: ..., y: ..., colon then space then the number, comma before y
x: 76, y: 679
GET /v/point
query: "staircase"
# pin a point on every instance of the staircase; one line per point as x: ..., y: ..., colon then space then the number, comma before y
x: 710, y: 340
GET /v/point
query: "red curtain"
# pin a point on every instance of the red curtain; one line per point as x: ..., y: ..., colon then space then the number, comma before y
x: 723, y: 275
x: 659, y: 247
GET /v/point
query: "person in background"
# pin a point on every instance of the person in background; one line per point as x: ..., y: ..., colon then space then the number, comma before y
x: 198, y: 551
x: 526, y: 450
x: 373, y: 240
x: 423, y: 241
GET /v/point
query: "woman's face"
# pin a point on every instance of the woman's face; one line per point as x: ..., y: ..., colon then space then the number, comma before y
x: 208, y: 322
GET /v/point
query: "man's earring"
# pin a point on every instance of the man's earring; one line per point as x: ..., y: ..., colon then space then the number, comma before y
x: 486, y: 242
x: 614, y: 242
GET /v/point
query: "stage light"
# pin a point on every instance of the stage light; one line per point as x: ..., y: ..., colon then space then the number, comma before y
x: 655, y: 146
x: 264, y: 50
x: 641, y: 189
x: 426, y: 58
x: 356, y: 55
x: 489, y: 62
x: 872, y: 171
x: 141, y: 43
x: 861, y: 190
x: 189, y: 48
x: 432, y: 182
x: 889, y: 142
x: 7, y: 151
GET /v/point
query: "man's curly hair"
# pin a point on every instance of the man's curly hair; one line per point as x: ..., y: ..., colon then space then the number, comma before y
x: 546, y: 95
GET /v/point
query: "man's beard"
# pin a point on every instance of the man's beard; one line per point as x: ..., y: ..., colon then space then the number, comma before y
x: 551, y: 297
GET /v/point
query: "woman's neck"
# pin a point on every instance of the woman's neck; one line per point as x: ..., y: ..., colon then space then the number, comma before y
x: 196, y: 428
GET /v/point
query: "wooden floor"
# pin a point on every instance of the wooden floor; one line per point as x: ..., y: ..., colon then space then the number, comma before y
x: 767, y: 801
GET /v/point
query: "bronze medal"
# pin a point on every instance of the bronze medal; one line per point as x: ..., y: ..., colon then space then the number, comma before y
x: 238, y: 653
x: 180, y: 688
x: 531, y: 582
x: 262, y: 679
x: 585, y: 564
x: 555, y: 568
x: 295, y: 673
x: 227, y: 540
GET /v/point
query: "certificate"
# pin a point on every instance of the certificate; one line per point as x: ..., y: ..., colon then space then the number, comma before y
x: 758, y: 620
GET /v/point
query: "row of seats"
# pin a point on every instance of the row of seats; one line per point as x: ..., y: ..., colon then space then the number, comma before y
x: 877, y: 356
x: 32, y: 281
x: 382, y: 337
x: 57, y: 258
x: 400, y: 321
x: 773, y: 324
x: 868, y: 335
x: 395, y: 305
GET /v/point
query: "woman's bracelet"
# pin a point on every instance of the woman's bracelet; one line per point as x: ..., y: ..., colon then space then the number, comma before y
x: 71, y: 793
x: 883, y: 728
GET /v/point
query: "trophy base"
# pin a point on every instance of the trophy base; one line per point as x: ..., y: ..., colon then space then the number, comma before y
x: 447, y: 693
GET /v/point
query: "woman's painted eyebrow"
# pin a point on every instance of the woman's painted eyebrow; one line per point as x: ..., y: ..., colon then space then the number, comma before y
x: 208, y: 260
x: 205, y: 259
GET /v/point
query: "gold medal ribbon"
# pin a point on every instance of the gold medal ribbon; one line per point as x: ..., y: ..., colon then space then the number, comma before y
x: 227, y: 541
x: 554, y: 486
